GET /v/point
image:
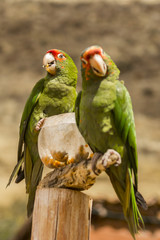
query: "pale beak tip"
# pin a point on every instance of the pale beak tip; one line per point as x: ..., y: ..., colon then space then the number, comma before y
x: 98, y: 65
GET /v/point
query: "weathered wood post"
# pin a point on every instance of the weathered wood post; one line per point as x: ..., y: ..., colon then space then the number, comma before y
x: 61, y: 214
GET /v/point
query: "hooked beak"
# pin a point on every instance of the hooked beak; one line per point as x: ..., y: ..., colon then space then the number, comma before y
x: 99, y: 67
x: 49, y: 64
x: 45, y: 66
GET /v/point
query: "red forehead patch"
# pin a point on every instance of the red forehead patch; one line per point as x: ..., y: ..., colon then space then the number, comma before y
x: 91, y: 51
x: 55, y: 53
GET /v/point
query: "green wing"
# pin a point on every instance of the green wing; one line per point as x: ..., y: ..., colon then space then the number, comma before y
x: 124, y: 121
x: 129, y: 197
x: 77, y: 103
x: 30, y: 104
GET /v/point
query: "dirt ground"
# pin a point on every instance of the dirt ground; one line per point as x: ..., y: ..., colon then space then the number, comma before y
x: 128, y: 31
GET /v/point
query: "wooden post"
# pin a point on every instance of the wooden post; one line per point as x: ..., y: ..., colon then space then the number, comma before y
x: 61, y: 214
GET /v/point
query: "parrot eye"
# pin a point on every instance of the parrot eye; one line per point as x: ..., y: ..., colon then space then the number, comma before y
x: 53, y: 62
x: 84, y: 61
x: 60, y: 55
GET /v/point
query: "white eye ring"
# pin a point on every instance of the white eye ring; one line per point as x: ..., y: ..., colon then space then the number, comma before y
x: 60, y: 55
x: 84, y: 61
x: 102, y: 51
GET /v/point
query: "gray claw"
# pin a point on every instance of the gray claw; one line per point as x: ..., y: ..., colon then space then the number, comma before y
x: 39, y: 124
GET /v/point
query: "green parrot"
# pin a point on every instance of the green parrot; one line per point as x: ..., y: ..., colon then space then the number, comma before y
x: 52, y: 95
x: 105, y: 119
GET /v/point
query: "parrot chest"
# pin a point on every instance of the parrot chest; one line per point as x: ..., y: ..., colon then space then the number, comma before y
x: 55, y: 99
x: 97, y: 121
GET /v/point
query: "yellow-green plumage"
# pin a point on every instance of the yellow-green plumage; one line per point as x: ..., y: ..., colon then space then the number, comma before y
x: 52, y: 95
x: 105, y: 118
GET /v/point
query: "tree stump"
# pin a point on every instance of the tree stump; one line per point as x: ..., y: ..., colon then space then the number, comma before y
x: 61, y: 214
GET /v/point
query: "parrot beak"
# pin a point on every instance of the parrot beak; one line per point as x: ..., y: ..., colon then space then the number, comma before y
x: 99, y: 67
x: 49, y: 63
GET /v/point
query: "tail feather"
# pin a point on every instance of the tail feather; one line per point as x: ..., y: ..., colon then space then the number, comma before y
x: 16, y: 171
x: 35, y: 179
x: 128, y: 199
x: 140, y: 200
x: 20, y: 175
x: 134, y: 212
x: 28, y: 166
x: 33, y: 173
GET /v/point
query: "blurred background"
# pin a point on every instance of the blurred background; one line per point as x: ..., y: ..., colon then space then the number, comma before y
x: 129, y: 31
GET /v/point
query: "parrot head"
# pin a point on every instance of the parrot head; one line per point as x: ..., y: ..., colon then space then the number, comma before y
x: 96, y: 64
x: 58, y: 63
x: 51, y: 59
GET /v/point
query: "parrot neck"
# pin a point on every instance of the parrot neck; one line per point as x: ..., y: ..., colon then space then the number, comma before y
x: 49, y: 76
x: 90, y: 84
x: 90, y: 79
x: 94, y: 83
x: 62, y: 77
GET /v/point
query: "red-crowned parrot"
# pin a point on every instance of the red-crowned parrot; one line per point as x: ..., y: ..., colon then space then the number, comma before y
x: 52, y: 95
x: 105, y: 118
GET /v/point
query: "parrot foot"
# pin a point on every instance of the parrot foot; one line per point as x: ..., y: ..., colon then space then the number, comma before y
x: 39, y: 124
x: 95, y: 158
x: 111, y: 157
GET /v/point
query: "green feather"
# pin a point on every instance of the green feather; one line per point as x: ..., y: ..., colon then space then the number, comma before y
x: 15, y: 171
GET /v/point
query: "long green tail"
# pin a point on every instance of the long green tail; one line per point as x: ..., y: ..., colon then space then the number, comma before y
x: 33, y: 174
x: 15, y: 171
x: 35, y: 179
x: 128, y: 200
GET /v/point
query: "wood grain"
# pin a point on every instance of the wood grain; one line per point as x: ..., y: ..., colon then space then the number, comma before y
x: 61, y: 214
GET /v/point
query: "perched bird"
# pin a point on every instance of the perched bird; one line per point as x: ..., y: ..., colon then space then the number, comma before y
x: 52, y: 95
x: 105, y: 119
